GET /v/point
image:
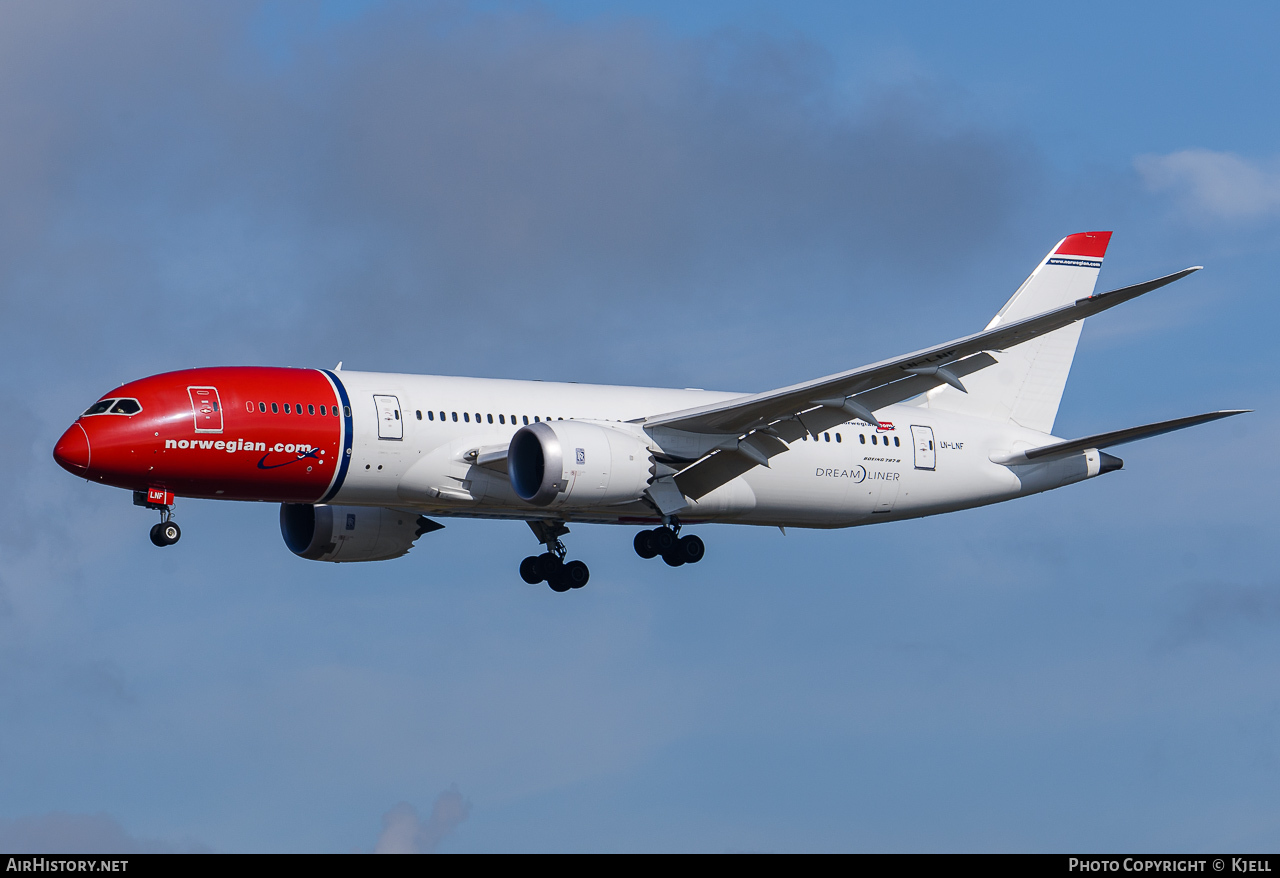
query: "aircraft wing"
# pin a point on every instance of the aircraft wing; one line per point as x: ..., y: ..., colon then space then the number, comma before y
x: 759, y: 426
x: 1107, y: 440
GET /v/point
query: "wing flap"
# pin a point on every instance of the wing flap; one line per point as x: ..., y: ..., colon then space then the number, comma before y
x: 701, y: 478
x: 725, y: 464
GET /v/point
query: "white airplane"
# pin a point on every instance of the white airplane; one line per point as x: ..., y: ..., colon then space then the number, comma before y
x: 358, y: 460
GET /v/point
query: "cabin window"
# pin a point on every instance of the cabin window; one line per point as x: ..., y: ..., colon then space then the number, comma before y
x: 455, y: 417
x: 275, y: 409
x: 311, y: 410
x: 862, y: 438
x: 466, y: 416
x: 502, y: 419
x: 346, y: 413
x: 837, y: 437
x: 490, y: 419
x: 477, y: 417
x: 826, y: 437
x: 526, y: 419
x: 262, y: 407
x: 896, y: 442
x: 536, y: 419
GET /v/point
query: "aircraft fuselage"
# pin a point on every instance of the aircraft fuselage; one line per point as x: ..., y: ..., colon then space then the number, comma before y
x: 397, y: 440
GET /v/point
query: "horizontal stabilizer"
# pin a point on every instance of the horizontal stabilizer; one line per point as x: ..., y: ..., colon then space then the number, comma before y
x: 1107, y: 440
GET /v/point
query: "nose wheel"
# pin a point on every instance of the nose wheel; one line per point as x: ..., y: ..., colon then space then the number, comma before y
x: 166, y: 532
x: 551, y: 567
x: 666, y: 542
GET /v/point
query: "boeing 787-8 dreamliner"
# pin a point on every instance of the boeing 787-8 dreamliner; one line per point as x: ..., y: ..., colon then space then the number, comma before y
x: 359, y: 460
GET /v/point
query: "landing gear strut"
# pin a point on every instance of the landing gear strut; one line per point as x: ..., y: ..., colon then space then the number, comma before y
x: 167, y: 532
x: 550, y: 567
x: 667, y: 542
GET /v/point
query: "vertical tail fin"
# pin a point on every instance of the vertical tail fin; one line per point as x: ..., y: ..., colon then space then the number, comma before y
x: 1026, y: 384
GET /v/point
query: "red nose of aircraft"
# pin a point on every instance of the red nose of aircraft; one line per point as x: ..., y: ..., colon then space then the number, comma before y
x: 228, y: 433
x: 72, y: 450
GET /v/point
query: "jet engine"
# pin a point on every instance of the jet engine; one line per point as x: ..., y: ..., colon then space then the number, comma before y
x: 350, y: 533
x: 578, y: 464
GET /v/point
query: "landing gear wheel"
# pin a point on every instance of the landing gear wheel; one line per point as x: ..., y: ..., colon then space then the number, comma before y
x: 170, y: 532
x: 545, y: 566
x: 664, y: 539
x: 690, y: 549
x: 576, y: 574
x: 551, y: 566
x: 157, y: 539
x: 646, y: 544
x: 529, y: 570
x: 559, y: 582
x: 672, y: 556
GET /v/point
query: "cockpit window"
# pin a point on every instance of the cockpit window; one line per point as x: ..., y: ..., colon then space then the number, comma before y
x: 126, y: 407
x: 113, y: 407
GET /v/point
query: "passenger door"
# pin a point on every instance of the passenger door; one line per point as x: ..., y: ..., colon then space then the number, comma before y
x: 922, y: 439
x: 390, y: 422
x: 207, y: 409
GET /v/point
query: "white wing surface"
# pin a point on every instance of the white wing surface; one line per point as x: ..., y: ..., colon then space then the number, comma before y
x: 755, y: 427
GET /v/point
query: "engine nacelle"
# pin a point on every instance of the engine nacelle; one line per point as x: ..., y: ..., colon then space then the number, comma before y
x: 350, y: 533
x: 579, y: 464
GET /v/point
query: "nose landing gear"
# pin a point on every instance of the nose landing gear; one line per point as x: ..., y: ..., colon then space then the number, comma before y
x: 550, y: 567
x: 166, y: 532
x: 667, y: 542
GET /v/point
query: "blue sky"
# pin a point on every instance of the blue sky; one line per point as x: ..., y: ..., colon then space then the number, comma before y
x: 733, y: 195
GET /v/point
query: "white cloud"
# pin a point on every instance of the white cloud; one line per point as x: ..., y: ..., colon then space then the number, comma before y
x: 1216, y: 185
x: 403, y: 832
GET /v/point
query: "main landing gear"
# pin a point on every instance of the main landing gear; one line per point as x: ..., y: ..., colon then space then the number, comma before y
x: 550, y: 567
x: 667, y: 542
